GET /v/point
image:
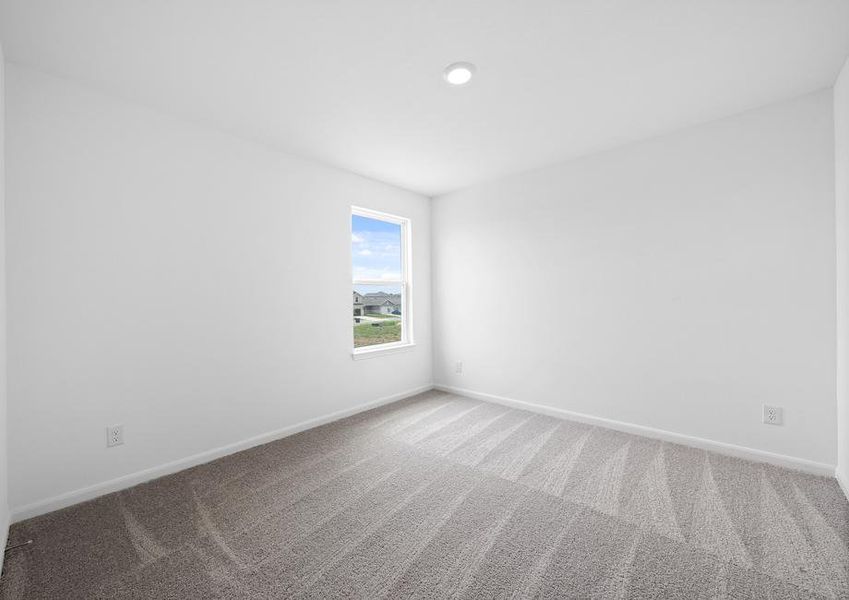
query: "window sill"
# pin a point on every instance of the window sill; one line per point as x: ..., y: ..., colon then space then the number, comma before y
x: 382, y: 350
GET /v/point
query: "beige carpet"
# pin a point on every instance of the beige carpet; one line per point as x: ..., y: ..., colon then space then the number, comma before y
x: 444, y: 497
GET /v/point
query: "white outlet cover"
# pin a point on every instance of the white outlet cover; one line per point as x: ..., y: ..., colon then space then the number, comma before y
x: 114, y: 435
x: 773, y: 415
x: 458, y: 367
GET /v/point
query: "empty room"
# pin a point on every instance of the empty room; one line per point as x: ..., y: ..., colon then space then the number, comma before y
x: 597, y: 258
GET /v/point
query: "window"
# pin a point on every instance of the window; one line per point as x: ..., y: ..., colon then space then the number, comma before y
x: 380, y: 260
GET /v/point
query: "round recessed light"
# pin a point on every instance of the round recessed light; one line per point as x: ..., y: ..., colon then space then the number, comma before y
x: 459, y: 73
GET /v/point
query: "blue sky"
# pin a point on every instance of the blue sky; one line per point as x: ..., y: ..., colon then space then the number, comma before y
x: 375, y: 250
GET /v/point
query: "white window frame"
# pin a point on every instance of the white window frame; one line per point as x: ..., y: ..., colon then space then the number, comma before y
x: 405, y: 283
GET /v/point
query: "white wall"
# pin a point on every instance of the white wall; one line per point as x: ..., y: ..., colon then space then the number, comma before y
x: 841, y: 155
x: 192, y: 286
x: 678, y: 283
x: 4, y: 504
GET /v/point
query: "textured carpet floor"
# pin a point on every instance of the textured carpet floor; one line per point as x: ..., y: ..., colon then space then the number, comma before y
x: 443, y: 497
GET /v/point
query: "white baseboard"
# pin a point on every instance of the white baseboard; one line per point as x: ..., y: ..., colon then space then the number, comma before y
x: 4, y: 537
x: 844, y: 485
x: 791, y: 462
x: 113, y: 485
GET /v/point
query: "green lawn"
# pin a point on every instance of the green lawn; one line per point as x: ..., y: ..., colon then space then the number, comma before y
x: 367, y: 334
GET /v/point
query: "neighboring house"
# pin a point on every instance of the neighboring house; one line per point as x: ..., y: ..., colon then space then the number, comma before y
x: 377, y: 303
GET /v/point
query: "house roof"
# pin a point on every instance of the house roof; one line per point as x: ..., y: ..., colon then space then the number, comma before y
x: 381, y: 299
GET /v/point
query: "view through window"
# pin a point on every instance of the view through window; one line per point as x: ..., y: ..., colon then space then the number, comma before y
x: 380, y: 286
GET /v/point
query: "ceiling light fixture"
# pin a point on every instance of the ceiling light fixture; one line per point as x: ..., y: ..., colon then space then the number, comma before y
x: 459, y: 73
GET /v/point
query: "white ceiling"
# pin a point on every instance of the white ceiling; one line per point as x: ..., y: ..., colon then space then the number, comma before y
x: 358, y: 83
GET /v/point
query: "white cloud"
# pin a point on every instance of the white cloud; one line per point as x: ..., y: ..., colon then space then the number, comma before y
x: 376, y: 255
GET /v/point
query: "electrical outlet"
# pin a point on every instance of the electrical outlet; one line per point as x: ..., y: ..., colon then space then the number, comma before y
x: 114, y: 435
x: 773, y: 415
x: 458, y: 368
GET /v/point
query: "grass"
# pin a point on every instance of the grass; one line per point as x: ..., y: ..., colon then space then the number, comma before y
x: 368, y: 334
